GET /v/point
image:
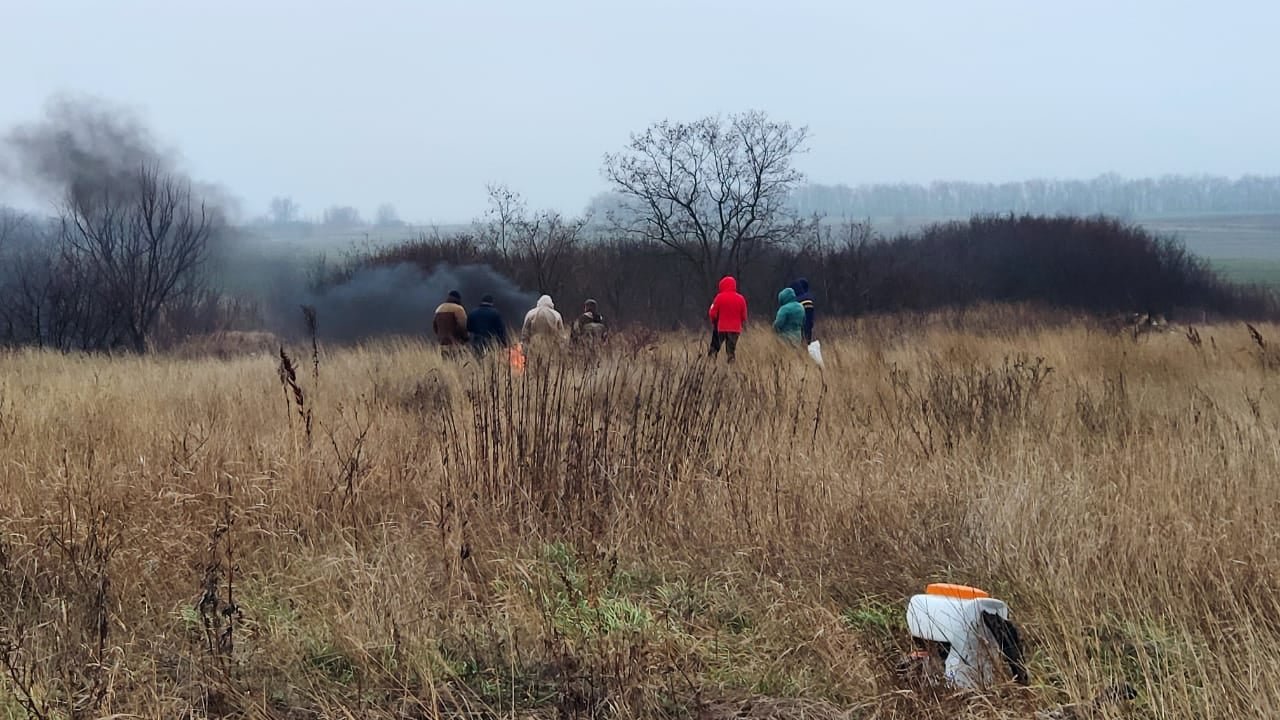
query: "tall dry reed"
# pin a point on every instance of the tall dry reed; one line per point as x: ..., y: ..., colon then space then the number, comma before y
x: 641, y: 532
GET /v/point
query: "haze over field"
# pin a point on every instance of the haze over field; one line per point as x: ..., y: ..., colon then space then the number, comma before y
x: 420, y: 104
x: 850, y: 299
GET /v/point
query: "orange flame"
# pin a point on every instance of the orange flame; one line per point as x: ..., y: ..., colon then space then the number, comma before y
x: 517, y: 358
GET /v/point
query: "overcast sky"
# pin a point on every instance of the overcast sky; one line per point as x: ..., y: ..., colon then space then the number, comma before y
x: 420, y: 103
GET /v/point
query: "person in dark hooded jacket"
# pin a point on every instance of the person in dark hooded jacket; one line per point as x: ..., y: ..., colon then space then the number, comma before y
x: 805, y: 297
x: 486, y: 327
x: 590, y: 327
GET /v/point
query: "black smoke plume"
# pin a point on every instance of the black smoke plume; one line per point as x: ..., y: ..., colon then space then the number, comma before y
x: 395, y: 300
x: 84, y: 149
x: 80, y: 148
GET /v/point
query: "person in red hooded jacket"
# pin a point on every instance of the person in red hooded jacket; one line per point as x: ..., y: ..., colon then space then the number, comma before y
x: 728, y: 314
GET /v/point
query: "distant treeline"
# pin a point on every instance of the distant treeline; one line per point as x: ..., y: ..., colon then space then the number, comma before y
x: 1095, y: 265
x: 1107, y: 194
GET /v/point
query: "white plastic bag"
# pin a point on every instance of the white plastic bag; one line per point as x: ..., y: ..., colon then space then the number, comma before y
x: 815, y: 352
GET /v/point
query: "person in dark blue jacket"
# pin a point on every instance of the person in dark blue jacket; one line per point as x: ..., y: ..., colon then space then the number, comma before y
x: 805, y: 297
x: 486, y: 327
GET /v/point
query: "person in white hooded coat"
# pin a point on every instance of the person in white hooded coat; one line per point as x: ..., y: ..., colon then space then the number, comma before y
x: 543, y: 323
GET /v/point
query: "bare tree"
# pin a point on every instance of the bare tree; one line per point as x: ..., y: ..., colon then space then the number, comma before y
x: 283, y: 210
x: 714, y: 192
x: 27, y: 276
x: 505, y: 214
x: 541, y: 241
x: 386, y: 216
x: 12, y: 222
x: 343, y: 216
x: 545, y: 241
x: 51, y: 297
x: 139, y: 247
x: 21, y: 304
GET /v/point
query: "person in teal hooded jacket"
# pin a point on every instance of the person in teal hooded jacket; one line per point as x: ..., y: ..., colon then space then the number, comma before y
x: 789, y: 324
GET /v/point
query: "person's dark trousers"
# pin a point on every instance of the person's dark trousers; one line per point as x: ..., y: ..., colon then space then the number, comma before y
x: 730, y: 342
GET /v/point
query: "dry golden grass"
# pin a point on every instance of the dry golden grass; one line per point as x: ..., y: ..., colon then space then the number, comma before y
x: 640, y: 534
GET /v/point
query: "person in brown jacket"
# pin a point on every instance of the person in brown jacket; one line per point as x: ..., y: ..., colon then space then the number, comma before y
x: 450, y: 323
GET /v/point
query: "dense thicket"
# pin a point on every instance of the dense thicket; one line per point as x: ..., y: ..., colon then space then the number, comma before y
x: 1092, y: 265
x: 53, y: 294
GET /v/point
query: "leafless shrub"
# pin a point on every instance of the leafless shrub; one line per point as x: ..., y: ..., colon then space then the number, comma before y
x: 55, y: 636
x: 636, y: 339
x: 350, y: 455
x: 226, y: 345
x: 1109, y: 415
x: 430, y: 397
x: 949, y: 404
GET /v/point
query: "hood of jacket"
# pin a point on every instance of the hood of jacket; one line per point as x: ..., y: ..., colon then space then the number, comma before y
x: 545, y: 302
x: 728, y: 284
x: 801, y: 286
x: 786, y: 296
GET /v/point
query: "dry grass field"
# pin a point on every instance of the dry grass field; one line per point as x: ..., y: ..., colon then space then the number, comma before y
x: 642, y: 533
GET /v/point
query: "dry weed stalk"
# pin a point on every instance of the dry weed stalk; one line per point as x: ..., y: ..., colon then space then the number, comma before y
x: 313, y: 333
x: 1193, y: 337
x: 289, y: 381
x: 8, y: 418
x: 219, y: 614
x: 21, y: 672
x: 1268, y: 358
